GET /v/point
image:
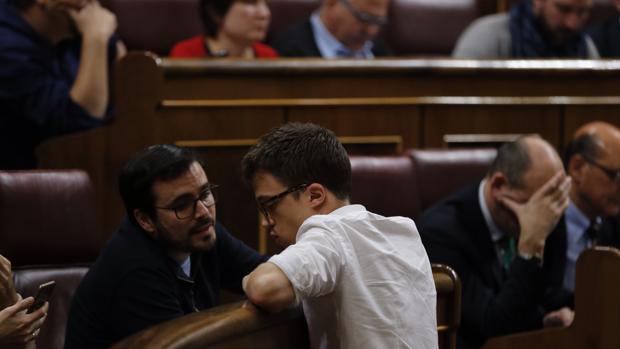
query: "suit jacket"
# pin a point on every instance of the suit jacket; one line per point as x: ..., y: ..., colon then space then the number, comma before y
x: 299, y: 42
x: 494, y: 302
x: 606, y: 37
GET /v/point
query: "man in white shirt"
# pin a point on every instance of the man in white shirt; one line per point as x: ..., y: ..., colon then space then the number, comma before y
x: 364, y: 280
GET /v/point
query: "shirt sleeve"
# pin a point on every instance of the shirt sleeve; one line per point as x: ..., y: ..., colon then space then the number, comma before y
x: 313, y: 265
x: 39, y: 91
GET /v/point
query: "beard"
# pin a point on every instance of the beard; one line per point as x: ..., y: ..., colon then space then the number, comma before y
x: 187, y: 242
x: 556, y: 37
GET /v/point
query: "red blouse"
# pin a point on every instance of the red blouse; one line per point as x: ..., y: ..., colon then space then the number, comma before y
x: 195, y: 47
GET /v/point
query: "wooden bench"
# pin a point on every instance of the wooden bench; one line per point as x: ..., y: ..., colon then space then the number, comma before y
x: 242, y: 325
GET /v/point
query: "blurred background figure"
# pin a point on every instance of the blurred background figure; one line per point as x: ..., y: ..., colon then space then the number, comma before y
x: 531, y: 29
x: 606, y: 35
x: 339, y: 28
x: 55, y: 58
x: 232, y: 29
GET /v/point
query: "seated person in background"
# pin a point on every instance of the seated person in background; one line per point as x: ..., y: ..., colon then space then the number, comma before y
x: 364, y: 280
x: 55, y: 58
x: 499, y: 237
x: 606, y: 35
x: 17, y: 329
x: 593, y: 162
x: 339, y: 28
x: 233, y: 28
x: 532, y: 29
x: 169, y: 257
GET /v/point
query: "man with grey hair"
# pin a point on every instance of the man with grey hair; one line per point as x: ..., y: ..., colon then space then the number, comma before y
x: 499, y: 237
x: 339, y: 28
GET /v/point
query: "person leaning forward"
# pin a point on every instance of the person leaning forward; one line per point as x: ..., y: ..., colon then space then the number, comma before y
x: 169, y: 257
x: 499, y: 237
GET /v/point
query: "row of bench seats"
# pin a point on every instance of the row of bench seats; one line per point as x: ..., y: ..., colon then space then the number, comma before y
x: 416, y: 27
x: 48, y: 227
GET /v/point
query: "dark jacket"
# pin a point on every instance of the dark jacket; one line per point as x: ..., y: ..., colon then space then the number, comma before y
x: 134, y: 285
x: 494, y: 302
x: 606, y: 37
x: 35, y: 80
x: 299, y: 41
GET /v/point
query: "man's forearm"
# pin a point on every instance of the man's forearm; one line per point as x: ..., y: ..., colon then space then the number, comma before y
x: 90, y: 89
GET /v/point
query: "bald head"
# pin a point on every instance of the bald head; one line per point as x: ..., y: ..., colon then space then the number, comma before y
x: 593, y: 161
x: 530, y: 158
x: 519, y: 170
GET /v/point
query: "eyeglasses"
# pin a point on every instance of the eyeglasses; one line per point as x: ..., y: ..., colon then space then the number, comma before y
x: 580, y: 11
x: 186, y: 208
x: 363, y: 16
x: 267, y: 205
x: 613, y: 175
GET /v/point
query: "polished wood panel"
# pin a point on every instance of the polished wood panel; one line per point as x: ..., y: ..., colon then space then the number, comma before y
x: 418, y: 100
x: 482, y: 119
x: 597, y: 309
x: 243, y: 325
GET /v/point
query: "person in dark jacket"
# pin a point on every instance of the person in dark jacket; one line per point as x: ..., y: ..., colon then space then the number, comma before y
x: 169, y: 258
x: 55, y: 63
x: 338, y: 29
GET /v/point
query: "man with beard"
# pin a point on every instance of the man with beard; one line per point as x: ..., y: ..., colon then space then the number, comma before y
x: 532, y: 29
x: 339, y: 28
x: 169, y: 257
x: 55, y: 63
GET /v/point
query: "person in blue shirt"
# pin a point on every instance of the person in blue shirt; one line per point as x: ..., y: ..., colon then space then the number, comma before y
x: 338, y: 29
x: 169, y: 257
x: 55, y: 58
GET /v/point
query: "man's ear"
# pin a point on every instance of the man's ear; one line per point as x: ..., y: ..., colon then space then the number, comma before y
x: 498, y: 182
x: 318, y: 194
x: 576, y: 166
x: 145, y: 222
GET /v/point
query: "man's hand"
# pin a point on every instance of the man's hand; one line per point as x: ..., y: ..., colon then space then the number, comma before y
x: 18, y: 328
x: 7, y: 290
x: 559, y: 318
x: 539, y: 215
x: 94, y: 21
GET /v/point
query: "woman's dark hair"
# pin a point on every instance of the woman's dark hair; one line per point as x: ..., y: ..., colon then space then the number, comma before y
x: 212, y: 13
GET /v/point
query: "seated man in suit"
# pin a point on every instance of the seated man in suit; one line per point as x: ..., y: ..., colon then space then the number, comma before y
x: 169, y: 257
x: 499, y: 237
x: 55, y: 63
x: 532, y: 29
x: 339, y: 28
x: 364, y: 280
x: 606, y: 35
x: 17, y: 329
x: 593, y: 161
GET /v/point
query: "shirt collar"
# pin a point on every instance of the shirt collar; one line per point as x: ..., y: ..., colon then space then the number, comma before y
x: 330, y: 47
x: 496, y: 233
x: 577, y: 222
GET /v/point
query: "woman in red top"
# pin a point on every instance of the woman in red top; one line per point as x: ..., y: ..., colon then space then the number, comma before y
x: 233, y: 28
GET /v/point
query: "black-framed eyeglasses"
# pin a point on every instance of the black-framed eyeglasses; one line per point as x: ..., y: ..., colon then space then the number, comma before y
x: 362, y: 16
x: 186, y: 208
x: 267, y: 205
x: 613, y: 175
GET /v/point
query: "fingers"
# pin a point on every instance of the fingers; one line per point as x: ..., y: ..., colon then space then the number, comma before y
x: 551, y: 185
x: 19, y: 306
x: 510, y: 203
